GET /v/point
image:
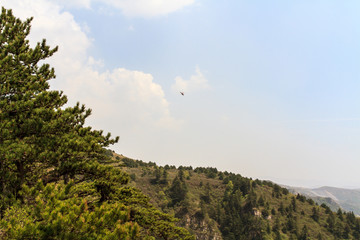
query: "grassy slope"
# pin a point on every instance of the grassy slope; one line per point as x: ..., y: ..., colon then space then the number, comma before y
x: 302, y: 213
x: 196, y: 182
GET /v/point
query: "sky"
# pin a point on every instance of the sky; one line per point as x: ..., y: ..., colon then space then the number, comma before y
x: 271, y: 88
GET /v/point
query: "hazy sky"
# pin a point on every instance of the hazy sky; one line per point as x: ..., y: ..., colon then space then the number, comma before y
x: 272, y: 88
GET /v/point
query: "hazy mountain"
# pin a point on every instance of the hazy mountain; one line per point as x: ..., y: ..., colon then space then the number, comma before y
x: 347, y: 199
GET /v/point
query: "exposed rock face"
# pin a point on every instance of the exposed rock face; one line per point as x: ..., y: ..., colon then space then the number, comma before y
x: 257, y: 212
x: 204, y: 229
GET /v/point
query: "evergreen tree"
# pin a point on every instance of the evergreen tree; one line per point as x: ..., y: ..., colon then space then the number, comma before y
x: 340, y: 214
x: 315, y: 214
x: 350, y: 218
x: 178, y: 189
x: 281, y: 208
x: 181, y: 174
x: 278, y: 235
x: 276, y: 191
x: 157, y: 174
x: 165, y: 175
x: 331, y: 223
x: 346, y: 232
x: 268, y: 228
x: 304, y: 233
x: 291, y: 224
x: 206, y: 197
x: 54, y: 181
x: 39, y: 139
x: 293, y: 204
x: 273, y: 211
x: 276, y: 226
x: 59, y: 214
x: 261, y: 201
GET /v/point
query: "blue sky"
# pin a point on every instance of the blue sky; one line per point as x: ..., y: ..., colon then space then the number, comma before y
x: 271, y: 87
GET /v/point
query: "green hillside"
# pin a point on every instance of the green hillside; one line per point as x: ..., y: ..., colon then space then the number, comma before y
x: 58, y: 181
x: 222, y: 205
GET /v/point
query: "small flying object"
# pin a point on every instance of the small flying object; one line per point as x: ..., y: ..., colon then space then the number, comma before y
x: 182, y: 93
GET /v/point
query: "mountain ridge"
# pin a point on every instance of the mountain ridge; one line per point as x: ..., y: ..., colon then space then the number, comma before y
x: 347, y: 199
x: 222, y: 205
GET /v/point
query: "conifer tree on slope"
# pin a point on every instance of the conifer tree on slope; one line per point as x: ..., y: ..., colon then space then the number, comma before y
x: 40, y: 139
x: 37, y: 137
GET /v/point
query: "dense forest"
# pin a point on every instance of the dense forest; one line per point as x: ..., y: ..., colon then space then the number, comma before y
x: 59, y: 180
x: 221, y: 205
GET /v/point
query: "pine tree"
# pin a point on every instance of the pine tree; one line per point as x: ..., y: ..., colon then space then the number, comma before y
x: 281, y: 208
x: 178, y: 189
x: 315, y: 214
x: 157, y: 174
x: 340, y: 214
x: 54, y: 183
x: 66, y: 216
x: 37, y: 137
x: 21, y: 84
x: 304, y: 233
x: 293, y: 204
x: 164, y: 179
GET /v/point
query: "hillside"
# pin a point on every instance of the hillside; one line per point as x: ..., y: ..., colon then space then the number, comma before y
x: 347, y: 199
x: 58, y: 180
x: 222, y: 205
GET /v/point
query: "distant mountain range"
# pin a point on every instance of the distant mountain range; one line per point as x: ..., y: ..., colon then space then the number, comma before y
x: 346, y: 199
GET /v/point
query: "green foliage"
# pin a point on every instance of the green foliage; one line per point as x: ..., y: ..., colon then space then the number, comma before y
x: 293, y: 204
x: 327, y: 209
x: 154, y: 222
x: 277, y: 191
x: 164, y: 179
x: 240, y: 209
x: 54, y: 181
x: 132, y: 176
x: 36, y: 134
x: 301, y: 198
x: 178, y: 189
x: 206, y: 197
x: 210, y: 172
x: 315, y: 214
x: 130, y: 163
x: 55, y: 211
x: 157, y: 174
x: 237, y: 221
x: 304, y: 234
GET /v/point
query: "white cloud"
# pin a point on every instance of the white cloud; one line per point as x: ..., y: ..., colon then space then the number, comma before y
x: 118, y: 97
x: 74, y: 3
x: 57, y: 27
x: 95, y: 63
x: 148, y: 8
x: 131, y: 28
x: 195, y: 83
x: 132, y: 8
